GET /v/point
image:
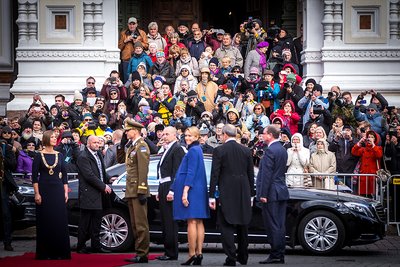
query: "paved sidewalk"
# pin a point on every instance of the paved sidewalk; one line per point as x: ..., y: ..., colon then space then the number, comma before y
x: 382, y: 253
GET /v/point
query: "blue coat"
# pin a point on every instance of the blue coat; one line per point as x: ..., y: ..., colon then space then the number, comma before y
x: 271, y: 181
x: 136, y: 59
x: 191, y: 172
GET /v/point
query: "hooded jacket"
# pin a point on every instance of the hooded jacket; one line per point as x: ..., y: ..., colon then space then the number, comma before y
x: 297, y: 161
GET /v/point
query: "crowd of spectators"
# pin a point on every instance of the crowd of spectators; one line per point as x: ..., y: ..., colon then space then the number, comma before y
x: 205, y: 78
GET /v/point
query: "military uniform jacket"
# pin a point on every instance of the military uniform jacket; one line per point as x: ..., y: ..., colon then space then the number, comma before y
x: 137, y: 167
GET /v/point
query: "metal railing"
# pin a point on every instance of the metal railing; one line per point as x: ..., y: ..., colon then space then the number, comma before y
x: 392, y: 201
x: 359, y: 184
x: 28, y: 176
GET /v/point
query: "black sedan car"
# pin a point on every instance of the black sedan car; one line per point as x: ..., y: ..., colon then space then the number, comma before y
x: 321, y: 221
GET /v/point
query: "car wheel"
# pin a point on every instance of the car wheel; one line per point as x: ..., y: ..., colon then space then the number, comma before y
x: 321, y: 233
x: 116, y: 233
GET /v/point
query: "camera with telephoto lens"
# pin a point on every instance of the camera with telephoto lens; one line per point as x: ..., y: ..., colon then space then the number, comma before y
x: 317, y: 109
x: 250, y: 24
x: 289, y: 84
x: 340, y: 102
x: 244, y: 140
x: 134, y: 35
x: 92, y: 125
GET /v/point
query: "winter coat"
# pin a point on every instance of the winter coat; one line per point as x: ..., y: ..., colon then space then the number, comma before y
x: 192, y: 81
x: 369, y: 157
x: 232, y: 52
x: 165, y: 70
x: 297, y: 162
x: 290, y: 122
x: 208, y: 95
x: 323, y: 162
x: 252, y: 60
x: 191, y: 62
x: 158, y: 40
x: 136, y: 59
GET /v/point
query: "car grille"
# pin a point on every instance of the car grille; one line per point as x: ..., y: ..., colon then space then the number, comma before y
x: 380, y: 211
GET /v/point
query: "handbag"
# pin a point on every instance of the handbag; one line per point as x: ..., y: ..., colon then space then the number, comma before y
x: 383, y: 174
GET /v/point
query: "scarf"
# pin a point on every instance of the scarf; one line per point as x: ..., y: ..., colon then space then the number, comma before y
x: 263, y: 59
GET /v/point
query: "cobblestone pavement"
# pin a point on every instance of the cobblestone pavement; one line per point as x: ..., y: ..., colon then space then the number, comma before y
x: 382, y: 253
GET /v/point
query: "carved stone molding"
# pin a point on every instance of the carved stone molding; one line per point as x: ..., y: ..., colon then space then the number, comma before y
x: 66, y: 55
x: 311, y: 56
x: 370, y: 55
x: 27, y: 22
x: 333, y: 20
x: 93, y: 22
x: 394, y: 19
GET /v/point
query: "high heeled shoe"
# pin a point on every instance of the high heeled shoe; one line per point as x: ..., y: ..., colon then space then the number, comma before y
x: 189, y: 261
x: 198, y: 259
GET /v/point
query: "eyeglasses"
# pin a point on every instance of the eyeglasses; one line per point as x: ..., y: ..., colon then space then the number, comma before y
x: 257, y: 108
x: 184, y: 70
x: 371, y: 110
x: 30, y: 145
x: 90, y: 82
x: 113, y: 93
x: 100, y: 99
x: 6, y: 132
x: 236, y: 71
x: 88, y: 120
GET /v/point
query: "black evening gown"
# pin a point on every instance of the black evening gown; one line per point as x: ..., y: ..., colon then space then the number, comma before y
x: 52, y: 236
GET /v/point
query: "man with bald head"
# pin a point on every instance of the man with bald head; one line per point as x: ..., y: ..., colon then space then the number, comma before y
x: 166, y: 170
x: 93, y: 181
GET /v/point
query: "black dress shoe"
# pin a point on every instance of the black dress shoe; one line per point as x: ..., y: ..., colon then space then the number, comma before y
x: 8, y: 247
x: 272, y: 261
x: 198, y: 260
x: 138, y: 259
x: 242, y: 262
x: 189, y: 261
x: 229, y: 263
x: 166, y: 258
x: 83, y: 251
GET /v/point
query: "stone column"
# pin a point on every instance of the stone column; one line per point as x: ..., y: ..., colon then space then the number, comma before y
x: 313, y: 39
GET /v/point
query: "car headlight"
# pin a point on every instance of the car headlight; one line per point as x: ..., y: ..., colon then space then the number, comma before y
x: 26, y: 190
x: 359, y: 208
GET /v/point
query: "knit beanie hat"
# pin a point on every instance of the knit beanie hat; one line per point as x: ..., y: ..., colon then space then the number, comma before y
x: 136, y: 76
x: 77, y: 95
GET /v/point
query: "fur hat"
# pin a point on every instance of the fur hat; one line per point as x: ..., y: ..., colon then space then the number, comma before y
x: 77, y: 95
x: 143, y: 102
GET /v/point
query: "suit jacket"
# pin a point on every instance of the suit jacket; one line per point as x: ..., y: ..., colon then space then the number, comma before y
x: 91, y: 187
x: 233, y: 172
x: 171, y: 162
x: 271, y: 175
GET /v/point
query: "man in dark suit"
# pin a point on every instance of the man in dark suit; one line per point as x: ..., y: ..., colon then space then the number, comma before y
x: 273, y: 194
x: 233, y: 172
x: 93, y: 181
x: 166, y: 170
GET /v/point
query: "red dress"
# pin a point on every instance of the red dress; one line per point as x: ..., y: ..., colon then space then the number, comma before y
x: 369, y: 158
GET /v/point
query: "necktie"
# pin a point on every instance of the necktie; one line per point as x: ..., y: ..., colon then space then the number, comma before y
x: 99, y: 165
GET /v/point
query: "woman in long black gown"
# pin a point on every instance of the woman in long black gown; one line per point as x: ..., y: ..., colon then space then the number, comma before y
x: 50, y: 183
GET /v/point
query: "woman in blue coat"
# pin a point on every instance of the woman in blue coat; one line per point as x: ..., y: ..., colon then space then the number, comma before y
x: 190, y: 195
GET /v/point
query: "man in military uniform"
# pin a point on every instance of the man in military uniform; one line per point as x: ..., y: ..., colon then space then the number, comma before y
x: 137, y: 166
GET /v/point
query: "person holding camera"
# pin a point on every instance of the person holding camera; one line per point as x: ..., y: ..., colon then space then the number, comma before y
x: 118, y: 116
x: 164, y: 103
x: 370, y: 154
x: 179, y: 116
x: 314, y: 101
x: 207, y: 90
x: 127, y: 39
x: 185, y: 74
x: 70, y: 151
x: 257, y: 119
x: 267, y: 91
x: 298, y: 161
x: 252, y: 33
x: 194, y: 108
x: 113, y: 81
x: 373, y: 116
x: 343, y: 107
x: 342, y: 145
x: 392, y: 150
x: 245, y: 104
x: 291, y: 91
x: 289, y: 116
